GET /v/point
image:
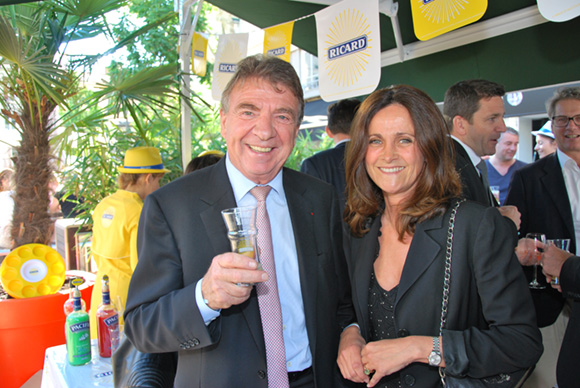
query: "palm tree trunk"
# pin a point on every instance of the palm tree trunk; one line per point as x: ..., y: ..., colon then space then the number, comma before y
x: 31, y: 222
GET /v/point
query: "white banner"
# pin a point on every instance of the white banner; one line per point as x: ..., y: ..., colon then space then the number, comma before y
x: 349, y: 49
x: 231, y: 49
x: 559, y: 10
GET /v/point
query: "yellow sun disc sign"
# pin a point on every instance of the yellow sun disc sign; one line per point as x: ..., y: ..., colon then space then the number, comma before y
x: 278, y: 40
x: 432, y: 18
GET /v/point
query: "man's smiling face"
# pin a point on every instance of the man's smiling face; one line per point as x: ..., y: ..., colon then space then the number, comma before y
x: 260, y: 128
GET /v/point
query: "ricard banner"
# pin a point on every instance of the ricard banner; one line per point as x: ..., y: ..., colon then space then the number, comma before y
x: 432, y: 18
x: 278, y: 40
x: 199, y: 53
x: 349, y: 49
x: 231, y: 49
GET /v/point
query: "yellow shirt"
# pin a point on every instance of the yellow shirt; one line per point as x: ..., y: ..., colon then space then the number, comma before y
x: 114, y: 248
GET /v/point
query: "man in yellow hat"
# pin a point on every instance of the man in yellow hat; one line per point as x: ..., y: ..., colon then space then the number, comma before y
x: 115, y: 221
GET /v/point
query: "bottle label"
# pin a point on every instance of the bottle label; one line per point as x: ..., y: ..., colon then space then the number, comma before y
x: 79, y: 327
x: 112, y: 320
x: 78, y: 338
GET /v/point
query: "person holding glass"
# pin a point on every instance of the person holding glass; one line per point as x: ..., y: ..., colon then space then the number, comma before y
x: 547, y: 195
x: 564, y: 266
x: 189, y: 293
x: 402, y: 188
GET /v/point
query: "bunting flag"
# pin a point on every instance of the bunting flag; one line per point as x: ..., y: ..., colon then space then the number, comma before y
x: 559, y: 11
x: 278, y: 39
x: 349, y: 52
x: 432, y: 18
x: 199, y: 54
x: 231, y: 49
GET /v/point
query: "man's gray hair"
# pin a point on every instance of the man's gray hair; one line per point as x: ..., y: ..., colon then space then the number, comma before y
x: 270, y: 68
x: 570, y: 93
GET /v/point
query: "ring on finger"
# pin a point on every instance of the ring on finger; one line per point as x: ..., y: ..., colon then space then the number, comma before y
x: 555, y: 281
x: 367, y: 371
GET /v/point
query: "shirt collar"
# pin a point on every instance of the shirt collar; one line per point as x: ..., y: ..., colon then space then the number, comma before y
x: 340, y: 142
x: 565, y: 160
x: 475, y: 159
x: 241, y: 185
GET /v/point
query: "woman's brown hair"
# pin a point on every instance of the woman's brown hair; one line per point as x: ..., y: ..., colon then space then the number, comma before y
x: 438, y: 181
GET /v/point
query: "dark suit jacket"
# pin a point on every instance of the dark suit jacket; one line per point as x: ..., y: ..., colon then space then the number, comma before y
x: 181, y: 230
x: 539, y: 192
x: 328, y: 166
x: 567, y: 372
x: 472, y: 185
x: 490, y: 315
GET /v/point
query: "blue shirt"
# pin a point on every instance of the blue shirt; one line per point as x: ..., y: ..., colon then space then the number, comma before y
x: 298, y: 356
x: 503, y: 181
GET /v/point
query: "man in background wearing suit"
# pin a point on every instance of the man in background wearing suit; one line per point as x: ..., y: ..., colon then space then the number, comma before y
x: 474, y: 111
x: 547, y: 194
x: 328, y: 165
x: 188, y: 294
x: 565, y: 267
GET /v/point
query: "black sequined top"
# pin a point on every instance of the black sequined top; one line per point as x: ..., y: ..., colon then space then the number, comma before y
x: 382, y: 321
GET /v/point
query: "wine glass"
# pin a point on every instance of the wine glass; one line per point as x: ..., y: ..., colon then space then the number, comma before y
x: 538, y: 240
x: 241, y: 225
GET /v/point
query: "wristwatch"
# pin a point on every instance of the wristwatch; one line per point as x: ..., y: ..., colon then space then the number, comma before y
x: 435, y: 355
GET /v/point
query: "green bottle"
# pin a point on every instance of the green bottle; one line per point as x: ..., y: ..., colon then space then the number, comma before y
x: 78, y: 335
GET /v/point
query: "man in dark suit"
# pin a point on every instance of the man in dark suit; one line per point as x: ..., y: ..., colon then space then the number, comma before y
x: 562, y: 265
x: 547, y: 195
x: 474, y: 111
x: 328, y: 165
x: 188, y: 295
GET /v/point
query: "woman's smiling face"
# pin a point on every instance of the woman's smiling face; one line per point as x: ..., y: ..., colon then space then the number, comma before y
x: 393, y: 160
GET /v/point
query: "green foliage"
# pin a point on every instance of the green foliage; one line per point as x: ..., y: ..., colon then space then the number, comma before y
x: 306, y: 147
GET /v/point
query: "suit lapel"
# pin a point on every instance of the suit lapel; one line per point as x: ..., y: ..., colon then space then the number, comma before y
x: 471, y: 180
x: 302, y: 217
x: 363, y: 255
x: 220, y: 196
x: 554, y: 184
x: 423, y: 251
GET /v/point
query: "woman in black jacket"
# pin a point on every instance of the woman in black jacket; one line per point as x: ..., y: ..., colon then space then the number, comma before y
x: 402, y: 188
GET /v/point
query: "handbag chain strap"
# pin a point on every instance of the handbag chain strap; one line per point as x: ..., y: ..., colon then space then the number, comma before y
x: 447, y: 276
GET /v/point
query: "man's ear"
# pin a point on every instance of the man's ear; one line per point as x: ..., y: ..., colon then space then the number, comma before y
x: 223, y: 122
x: 459, y: 126
x: 330, y: 134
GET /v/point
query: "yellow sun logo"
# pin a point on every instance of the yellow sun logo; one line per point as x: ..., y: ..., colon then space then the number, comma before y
x: 276, y: 43
x: 442, y: 11
x: 432, y: 18
x: 346, y: 48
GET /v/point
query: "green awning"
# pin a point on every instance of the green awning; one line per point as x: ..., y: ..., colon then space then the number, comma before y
x: 535, y: 54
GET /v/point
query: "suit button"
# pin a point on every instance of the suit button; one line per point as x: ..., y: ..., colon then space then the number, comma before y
x: 182, y: 346
x: 409, y: 380
x: 195, y: 342
x: 403, y: 333
x: 261, y: 374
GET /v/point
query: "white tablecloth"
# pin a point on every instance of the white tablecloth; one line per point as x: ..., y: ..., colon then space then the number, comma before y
x: 58, y: 373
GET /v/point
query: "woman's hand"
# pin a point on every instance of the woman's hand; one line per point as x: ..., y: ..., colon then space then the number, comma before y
x: 349, y: 355
x: 389, y: 356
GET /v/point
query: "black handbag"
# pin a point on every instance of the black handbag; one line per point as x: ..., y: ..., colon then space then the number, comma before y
x: 133, y: 369
x: 507, y: 380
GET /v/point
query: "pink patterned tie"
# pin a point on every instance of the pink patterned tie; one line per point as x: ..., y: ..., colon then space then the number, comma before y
x: 268, y: 299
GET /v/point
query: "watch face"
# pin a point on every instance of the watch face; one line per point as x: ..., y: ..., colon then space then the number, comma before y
x: 434, y: 359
